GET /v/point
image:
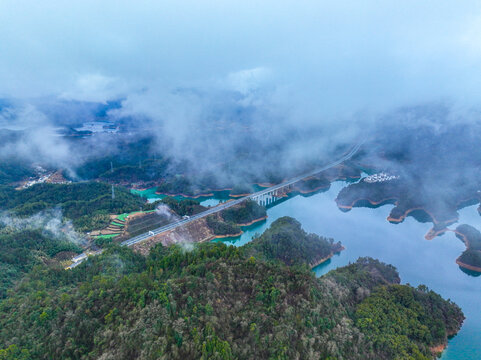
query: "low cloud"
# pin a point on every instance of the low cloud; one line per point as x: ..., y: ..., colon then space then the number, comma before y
x: 164, y: 210
x: 232, y: 89
x: 50, y: 222
x: 95, y: 88
x: 29, y: 134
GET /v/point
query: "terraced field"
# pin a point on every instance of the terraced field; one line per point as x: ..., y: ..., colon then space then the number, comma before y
x: 143, y: 222
x: 118, y: 226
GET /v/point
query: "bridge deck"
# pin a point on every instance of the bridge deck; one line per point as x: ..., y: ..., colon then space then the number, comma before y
x: 142, y: 237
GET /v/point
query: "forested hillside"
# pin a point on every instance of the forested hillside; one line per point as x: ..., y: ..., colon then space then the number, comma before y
x: 21, y: 250
x: 219, y: 302
x: 87, y: 204
x: 286, y: 241
x: 229, y: 221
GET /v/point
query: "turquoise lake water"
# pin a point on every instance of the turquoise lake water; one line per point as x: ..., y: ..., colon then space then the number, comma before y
x: 366, y: 232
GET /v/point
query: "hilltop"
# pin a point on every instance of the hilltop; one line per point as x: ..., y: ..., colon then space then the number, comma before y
x: 212, y: 301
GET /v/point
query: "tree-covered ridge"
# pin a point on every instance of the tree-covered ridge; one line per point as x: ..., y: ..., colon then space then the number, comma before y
x: 210, y: 302
x: 86, y: 204
x: 403, y: 323
x: 365, y: 272
x: 286, y: 241
x: 229, y: 221
x: 244, y: 213
x: 222, y: 228
x: 13, y: 171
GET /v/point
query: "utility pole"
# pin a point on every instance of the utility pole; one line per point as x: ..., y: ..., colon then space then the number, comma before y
x: 111, y: 167
x: 113, y: 193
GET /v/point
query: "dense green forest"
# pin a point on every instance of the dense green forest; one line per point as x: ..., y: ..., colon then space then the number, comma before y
x: 13, y: 171
x: 230, y: 220
x: 12, y: 168
x: 219, y: 302
x: 20, y: 250
x: 87, y: 204
x: 180, y: 207
x: 286, y: 241
x: 244, y: 213
x: 220, y: 227
x: 176, y: 185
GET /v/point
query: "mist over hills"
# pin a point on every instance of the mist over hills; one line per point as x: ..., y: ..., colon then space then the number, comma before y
x: 127, y: 127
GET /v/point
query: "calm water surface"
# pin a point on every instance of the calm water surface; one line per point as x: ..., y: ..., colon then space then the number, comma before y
x: 366, y: 232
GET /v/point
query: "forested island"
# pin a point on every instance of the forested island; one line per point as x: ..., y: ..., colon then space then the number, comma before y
x: 221, y: 302
x: 471, y: 258
x: 287, y: 242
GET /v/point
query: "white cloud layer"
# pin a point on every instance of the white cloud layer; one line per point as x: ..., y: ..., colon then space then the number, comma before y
x: 199, y: 73
x: 333, y: 56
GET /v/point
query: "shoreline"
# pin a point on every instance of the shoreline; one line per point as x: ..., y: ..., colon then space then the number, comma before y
x: 438, y: 349
x: 185, y: 195
x: 465, y: 240
x: 324, y: 259
x: 265, y: 185
x: 239, y: 233
x: 306, y: 192
x: 434, y: 220
x: 467, y: 266
x: 223, y: 236
x: 211, y: 192
x: 430, y: 235
x: 254, y: 221
x: 372, y: 202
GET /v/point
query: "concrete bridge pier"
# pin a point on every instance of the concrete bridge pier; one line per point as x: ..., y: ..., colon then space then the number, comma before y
x: 269, y: 197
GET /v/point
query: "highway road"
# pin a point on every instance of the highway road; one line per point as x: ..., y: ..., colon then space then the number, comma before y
x: 142, y: 237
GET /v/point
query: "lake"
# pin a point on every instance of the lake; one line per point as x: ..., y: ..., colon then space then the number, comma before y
x: 366, y: 232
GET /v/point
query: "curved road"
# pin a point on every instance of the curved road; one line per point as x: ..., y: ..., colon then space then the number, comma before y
x: 139, y: 238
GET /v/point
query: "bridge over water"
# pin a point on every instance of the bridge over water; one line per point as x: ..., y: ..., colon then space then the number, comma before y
x: 263, y: 197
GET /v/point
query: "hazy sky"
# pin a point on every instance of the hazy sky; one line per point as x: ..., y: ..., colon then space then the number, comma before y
x: 328, y: 56
x: 183, y: 69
